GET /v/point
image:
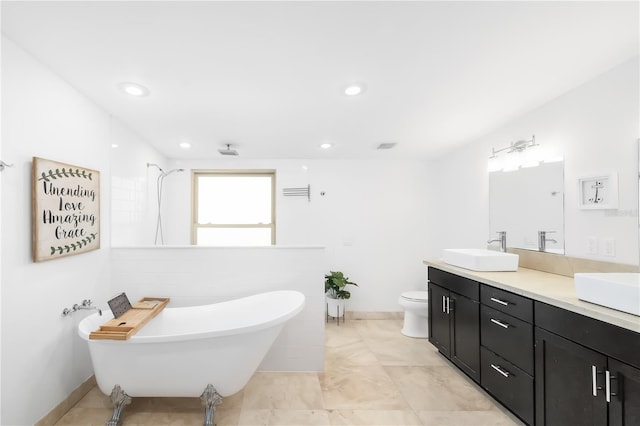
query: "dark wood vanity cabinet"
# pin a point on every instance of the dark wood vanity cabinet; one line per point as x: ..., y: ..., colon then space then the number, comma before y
x: 587, y: 371
x: 506, y: 329
x: 454, y: 311
x: 548, y: 365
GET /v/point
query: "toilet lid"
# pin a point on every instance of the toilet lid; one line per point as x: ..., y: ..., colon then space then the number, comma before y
x: 416, y: 296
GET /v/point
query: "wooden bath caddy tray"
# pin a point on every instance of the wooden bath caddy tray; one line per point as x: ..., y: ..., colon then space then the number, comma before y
x: 128, y: 324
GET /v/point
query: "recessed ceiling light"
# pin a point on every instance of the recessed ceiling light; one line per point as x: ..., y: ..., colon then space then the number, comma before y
x: 354, y: 89
x: 114, y: 145
x: 133, y: 89
x: 185, y: 145
x: 325, y: 145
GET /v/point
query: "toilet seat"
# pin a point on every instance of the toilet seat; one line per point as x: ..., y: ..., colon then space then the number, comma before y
x: 416, y: 296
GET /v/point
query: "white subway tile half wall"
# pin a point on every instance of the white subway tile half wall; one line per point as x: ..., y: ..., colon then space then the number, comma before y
x: 201, y: 275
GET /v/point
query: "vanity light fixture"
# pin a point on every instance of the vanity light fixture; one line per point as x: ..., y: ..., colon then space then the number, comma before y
x: 134, y: 89
x: 518, y: 146
x: 526, y: 154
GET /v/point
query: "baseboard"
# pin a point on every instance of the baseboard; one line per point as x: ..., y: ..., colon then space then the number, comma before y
x: 357, y: 315
x: 53, y: 416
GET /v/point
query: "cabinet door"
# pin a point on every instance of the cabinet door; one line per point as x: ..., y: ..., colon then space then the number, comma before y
x: 465, y: 334
x: 565, y: 383
x: 624, y: 408
x: 439, y: 319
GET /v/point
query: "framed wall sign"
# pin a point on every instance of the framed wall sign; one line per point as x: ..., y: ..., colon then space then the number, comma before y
x: 599, y: 191
x: 66, y: 209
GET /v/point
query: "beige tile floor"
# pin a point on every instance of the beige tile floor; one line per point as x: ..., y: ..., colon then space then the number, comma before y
x: 373, y: 376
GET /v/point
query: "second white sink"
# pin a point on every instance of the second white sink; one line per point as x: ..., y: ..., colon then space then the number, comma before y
x: 615, y: 290
x: 481, y: 260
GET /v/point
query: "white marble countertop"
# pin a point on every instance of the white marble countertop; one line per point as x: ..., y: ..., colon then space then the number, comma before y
x: 556, y: 290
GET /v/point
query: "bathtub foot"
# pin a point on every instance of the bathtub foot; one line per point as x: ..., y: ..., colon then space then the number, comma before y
x: 119, y: 399
x: 210, y: 398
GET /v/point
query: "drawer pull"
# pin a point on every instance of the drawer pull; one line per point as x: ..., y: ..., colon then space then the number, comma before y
x: 500, y: 370
x: 502, y: 302
x: 500, y: 323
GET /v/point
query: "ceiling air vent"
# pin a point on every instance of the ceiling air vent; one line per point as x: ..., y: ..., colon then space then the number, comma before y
x: 386, y: 145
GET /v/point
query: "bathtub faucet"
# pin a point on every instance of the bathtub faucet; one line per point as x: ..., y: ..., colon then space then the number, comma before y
x: 86, y: 304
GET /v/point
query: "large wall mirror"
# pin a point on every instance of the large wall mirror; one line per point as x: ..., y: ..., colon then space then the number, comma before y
x: 527, y: 201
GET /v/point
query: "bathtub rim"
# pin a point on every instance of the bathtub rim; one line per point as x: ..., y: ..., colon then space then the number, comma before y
x: 85, y: 328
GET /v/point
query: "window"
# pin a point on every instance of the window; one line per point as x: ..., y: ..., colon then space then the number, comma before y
x: 233, y: 208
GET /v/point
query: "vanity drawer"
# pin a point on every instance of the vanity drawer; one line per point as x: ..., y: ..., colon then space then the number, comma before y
x: 510, y: 385
x: 455, y: 283
x: 507, y: 302
x: 507, y: 336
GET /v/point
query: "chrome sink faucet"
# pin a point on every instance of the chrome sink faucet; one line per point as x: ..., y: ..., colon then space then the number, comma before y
x: 542, y: 240
x: 502, y: 239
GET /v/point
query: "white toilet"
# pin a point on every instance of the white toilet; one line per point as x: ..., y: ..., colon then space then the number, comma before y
x: 416, y: 312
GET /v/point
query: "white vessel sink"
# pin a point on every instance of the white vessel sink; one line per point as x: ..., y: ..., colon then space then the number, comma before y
x: 481, y: 260
x: 616, y: 290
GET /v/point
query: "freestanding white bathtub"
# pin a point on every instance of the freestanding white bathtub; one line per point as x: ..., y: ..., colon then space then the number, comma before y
x: 185, y: 351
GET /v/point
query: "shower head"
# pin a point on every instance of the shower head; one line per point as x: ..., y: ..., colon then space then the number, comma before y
x: 162, y: 172
x: 228, y: 151
x: 172, y: 171
x: 155, y: 165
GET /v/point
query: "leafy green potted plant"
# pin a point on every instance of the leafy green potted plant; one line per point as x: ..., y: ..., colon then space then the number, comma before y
x: 336, y: 294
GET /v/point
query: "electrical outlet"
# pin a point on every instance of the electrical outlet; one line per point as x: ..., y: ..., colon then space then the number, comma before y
x: 592, y: 245
x: 609, y: 247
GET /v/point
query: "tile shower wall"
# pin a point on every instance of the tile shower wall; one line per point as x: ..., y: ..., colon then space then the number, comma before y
x: 133, y: 188
x: 201, y: 275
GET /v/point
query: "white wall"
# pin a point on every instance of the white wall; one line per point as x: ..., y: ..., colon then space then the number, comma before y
x: 596, y: 128
x: 373, y: 219
x: 43, y: 359
x: 200, y: 275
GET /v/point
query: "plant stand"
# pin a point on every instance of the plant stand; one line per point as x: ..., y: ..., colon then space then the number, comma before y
x: 337, y: 317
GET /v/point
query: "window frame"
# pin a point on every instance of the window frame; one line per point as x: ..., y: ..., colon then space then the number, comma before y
x: 195, y: 226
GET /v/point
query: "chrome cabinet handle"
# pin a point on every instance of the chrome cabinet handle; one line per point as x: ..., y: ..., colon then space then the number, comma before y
x: 607, y: 383
x: 443, y: 305
x: 448, y: 305
x: 500, y: 370
x: 502, y: 302
x: 500, y: 323
x: 594, y: 380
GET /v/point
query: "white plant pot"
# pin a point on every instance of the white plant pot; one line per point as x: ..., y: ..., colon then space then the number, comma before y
x: 335, y: 307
